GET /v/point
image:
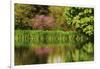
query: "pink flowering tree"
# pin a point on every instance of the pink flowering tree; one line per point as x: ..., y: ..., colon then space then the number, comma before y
x: 43, y: 22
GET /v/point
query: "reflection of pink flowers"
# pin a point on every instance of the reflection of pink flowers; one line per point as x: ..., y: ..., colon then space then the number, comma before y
x: 43, y: 22
x: 43, y: 51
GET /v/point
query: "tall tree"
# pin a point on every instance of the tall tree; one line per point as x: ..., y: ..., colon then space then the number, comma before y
x: 57, y: 13
x: 24, y: 13
x: 82, y: 19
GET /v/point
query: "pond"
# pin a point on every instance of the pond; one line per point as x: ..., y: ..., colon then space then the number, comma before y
x: 42, y: 47
x: 54, y: 53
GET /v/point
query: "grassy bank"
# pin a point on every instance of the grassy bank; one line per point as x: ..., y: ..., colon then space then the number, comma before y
x: 28, y: 37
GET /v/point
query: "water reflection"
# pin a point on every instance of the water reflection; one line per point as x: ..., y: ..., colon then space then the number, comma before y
x: 53, y: 53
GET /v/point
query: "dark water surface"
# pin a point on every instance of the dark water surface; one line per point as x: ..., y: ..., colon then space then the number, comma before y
x: 54, y: 53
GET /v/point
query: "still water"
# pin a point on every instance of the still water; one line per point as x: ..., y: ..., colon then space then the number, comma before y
x: 54, y: 53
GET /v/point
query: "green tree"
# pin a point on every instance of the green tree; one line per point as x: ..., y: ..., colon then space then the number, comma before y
x: 81, y: 18
x: 57, y: 13
x: 25, y: 13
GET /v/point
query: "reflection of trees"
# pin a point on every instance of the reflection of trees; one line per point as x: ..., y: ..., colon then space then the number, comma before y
x: 24, y: 56
x: 85, y: 53
x: 48, y: 53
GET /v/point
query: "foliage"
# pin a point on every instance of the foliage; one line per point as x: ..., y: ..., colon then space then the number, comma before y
x: 87, y: 52
x: 57, y: 13
x: 50, y: 37
x: 43, y: 22
x: 81, y: 18
x: 24, y: 13
x: 55, y: 17
x: 43, y: 27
